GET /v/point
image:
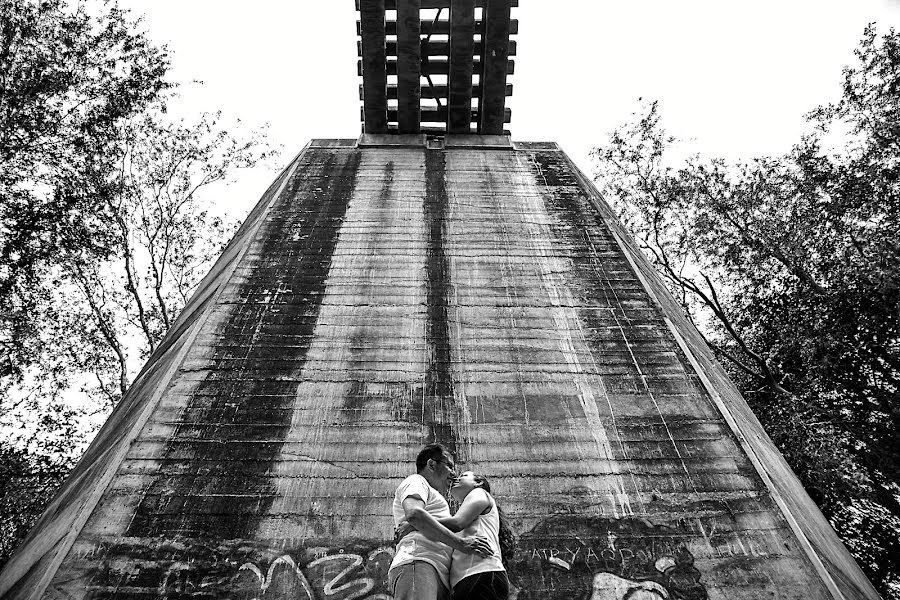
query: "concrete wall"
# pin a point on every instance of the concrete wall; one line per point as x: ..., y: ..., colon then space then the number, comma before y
x: 383, y: 297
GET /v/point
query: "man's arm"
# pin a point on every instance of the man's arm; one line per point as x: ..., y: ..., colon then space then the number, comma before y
x: 424, y: 523
x: 475, y: 503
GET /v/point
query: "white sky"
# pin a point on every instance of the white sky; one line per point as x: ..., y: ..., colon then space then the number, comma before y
x: 735, y: 77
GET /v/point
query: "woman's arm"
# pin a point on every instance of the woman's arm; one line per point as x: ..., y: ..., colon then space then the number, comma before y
x: 419, y: 519
x: 475, y: 503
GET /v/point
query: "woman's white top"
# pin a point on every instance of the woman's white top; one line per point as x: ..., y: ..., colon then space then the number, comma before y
x: 486, y: 525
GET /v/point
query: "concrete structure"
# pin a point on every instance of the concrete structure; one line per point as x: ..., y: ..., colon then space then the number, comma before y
x: 401, y: 289
x: 394, y: 291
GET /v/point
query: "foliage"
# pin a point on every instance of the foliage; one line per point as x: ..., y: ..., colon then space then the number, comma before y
x: 66, y: 83
x: 791, y: 267
x: 160, y: 241
x: 106, y: 227
x: 28, y: 481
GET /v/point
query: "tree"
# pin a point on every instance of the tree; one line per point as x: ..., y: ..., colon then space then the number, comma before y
x: 28, y: 482
x: 67, y: 82
x: 106, y: 228
x: 163, y: 238
x: 790, y: 266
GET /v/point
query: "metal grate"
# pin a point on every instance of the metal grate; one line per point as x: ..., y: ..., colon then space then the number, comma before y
x: 435, y: 66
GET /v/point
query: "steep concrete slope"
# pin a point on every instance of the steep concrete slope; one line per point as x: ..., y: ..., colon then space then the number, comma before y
x: 384, y: 296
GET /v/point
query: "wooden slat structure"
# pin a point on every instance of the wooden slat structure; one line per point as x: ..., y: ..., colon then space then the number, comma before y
x: 433, y: 116
x: 437, y: 66
x: 432, y: 92
x: 437, y: 48
x: 430, y: 4
x: 438, y: 28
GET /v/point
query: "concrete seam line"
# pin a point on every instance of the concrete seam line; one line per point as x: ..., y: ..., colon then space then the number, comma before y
x: 106, y: 479
x: 803, y: 540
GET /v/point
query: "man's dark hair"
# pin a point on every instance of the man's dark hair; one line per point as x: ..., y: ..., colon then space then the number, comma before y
x: 429, y: 452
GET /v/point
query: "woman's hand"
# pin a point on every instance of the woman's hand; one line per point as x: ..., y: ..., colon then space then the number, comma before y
x: 475, y: 545
x: 402, y: 531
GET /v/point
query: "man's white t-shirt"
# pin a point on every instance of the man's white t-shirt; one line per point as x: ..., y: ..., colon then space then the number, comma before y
x: 416, y: 546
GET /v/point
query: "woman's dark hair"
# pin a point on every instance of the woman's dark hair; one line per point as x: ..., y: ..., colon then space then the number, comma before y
x: 506, y: 537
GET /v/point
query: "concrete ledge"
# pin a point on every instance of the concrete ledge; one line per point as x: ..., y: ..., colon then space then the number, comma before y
x: 333, y: 143
x: 375, y: 140
x: 421, y: 140
x: 478, y: 141
x: 538, y: 146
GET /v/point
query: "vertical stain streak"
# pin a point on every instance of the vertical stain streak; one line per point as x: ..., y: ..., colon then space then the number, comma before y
x: 439, y: 410
x: 355, y: 398
x: 618, y: 493
x: 573, y: 212
x: 508, y: 275
x: 213, y: 478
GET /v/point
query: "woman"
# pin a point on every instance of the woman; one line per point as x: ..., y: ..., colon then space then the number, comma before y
x: 472, y: 576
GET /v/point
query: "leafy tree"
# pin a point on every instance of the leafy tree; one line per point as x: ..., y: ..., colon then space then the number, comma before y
x: 162, y: 237
x: 28, y: 482
x: 790, y: 265
x: 106, y: 228
x: 67, y: 82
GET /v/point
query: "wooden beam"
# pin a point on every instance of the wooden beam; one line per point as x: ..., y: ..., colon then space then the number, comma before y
x: 372, y: 65
x: 435, y: 66
x: 392, y: 4
x: 436, y: 48
x: 462, y: 52
x: 434, y: 129
x: 439, y: 115
x: 439, y: 28
x: 409, y: 65
x: 495, y: 64
x: 438, y: 91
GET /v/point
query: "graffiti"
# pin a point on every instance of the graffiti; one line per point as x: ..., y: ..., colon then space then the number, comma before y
x: 607, y: 586
x: 681, y: 576
x: 598, y: 558
x: 334, y: 576
x: 592, y: 559
x: 571, y: 557
x: 244, y: 570
x: 564, y: 556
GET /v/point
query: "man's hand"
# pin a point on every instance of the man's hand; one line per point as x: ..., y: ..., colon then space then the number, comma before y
x: 475, y: 545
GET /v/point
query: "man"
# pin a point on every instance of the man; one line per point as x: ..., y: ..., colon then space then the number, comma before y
x: 421, y: 567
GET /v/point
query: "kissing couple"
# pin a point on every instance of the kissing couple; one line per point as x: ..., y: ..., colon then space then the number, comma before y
x: 437, y: 551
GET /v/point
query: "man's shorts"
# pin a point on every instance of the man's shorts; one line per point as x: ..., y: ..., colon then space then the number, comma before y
x: 417, y: 580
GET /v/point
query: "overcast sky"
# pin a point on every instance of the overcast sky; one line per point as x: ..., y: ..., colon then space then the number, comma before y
x: 735, y: 77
